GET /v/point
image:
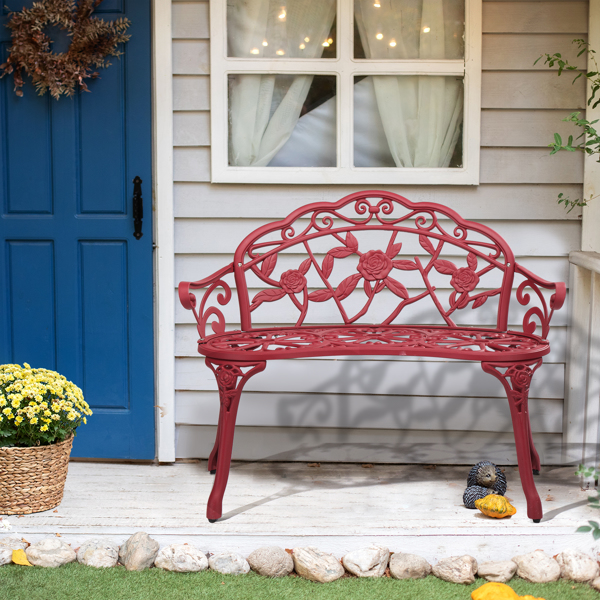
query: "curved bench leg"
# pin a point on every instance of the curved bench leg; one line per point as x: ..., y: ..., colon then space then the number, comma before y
x: 212, y: 459
x: 231, y: 378
x: 535, y: 458
x: 516, y: 379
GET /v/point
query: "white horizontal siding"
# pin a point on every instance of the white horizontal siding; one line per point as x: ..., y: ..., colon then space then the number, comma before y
x: 535, y: 17
x: 365, y: 445
x: 367, y: 411
x: 519, y: 201
x: 382, y: 409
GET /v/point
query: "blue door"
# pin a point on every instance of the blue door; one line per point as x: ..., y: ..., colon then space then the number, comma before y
x: 75, y: 285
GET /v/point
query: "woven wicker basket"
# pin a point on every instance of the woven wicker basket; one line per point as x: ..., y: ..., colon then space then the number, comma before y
x: 33, y: 479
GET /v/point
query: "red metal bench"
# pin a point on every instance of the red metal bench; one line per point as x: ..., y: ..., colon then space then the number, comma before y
x: 363, y: 254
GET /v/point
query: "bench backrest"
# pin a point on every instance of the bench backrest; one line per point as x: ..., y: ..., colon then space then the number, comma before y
x: 371, y: 258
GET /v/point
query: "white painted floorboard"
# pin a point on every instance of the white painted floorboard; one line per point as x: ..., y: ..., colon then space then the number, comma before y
x: 337, y: 507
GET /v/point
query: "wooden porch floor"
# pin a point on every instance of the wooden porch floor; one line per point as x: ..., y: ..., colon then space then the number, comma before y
x: 337, y: 507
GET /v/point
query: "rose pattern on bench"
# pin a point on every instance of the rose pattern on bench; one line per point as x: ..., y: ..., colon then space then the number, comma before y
x: 374, y: 269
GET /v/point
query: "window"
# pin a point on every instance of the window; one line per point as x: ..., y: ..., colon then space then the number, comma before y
x: 345, y: 91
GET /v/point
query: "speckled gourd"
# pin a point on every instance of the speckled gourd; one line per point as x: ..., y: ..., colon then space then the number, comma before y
x: 495, y: 506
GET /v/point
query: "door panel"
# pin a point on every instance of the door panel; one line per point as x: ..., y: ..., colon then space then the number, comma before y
x: 77, y: 296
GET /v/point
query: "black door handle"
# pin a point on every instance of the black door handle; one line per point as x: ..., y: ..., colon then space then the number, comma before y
x: 138, y: 208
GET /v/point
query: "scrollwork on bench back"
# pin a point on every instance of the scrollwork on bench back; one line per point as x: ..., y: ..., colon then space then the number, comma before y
x: 327, y: 233
x: 456, y: 264
x: 543, y: 313
x: 188, y: 299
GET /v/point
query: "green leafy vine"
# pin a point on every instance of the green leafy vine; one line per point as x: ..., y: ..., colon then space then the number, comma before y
x: 590, y: 137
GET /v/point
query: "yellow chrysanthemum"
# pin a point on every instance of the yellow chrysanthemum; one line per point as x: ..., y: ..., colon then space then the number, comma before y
x: 33, y: 420
x: 18, y: 420
x: 44, y: 428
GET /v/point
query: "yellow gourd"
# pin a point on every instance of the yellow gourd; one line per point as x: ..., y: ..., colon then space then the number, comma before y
x: 495, y: 506
x: 498, y: 591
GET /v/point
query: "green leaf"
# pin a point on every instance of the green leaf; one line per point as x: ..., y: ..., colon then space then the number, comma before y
x: 583, y: 529
x: 596, y: 534
x: 594, y: 524
x: 558, y: 139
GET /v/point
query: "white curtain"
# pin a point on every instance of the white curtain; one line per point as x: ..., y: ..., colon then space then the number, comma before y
x: 264, y: 109
x: 421, y: 115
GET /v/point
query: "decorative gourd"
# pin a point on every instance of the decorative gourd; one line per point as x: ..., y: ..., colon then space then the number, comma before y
x: 498, y: 591
x: 495, y: 506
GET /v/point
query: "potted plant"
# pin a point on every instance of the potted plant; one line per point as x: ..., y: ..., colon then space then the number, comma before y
x: 39, y: 413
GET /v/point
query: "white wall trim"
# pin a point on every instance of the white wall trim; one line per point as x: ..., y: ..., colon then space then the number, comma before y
x: 162, y: 202
x: 590, y: 240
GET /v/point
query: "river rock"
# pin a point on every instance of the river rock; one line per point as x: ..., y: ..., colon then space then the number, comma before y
x: 456, y: 569
x: 315, y: 565
x: 7, y: 545
x: 271, y: 561
x: 5, y: 556
x: 98, y: 553
x: 182, y: 558
x: 138, y: 552
x: 371, y: 561
x: 537, y: 567
x: 500, y: 571
x: 14, y: 542
x: 408, y: 566
x: 229, y: 563
x: 50, y: 552
x: 577, y: 566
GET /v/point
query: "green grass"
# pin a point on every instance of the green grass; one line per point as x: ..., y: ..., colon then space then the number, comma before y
x: 78, y: 582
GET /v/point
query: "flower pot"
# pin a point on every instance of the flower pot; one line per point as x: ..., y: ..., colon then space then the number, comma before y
x: 33, y: 479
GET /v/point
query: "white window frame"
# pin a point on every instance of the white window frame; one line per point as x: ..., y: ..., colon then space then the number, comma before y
x: 345, y: 69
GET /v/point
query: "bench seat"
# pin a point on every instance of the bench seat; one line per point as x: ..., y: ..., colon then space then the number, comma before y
x: 391, y: 340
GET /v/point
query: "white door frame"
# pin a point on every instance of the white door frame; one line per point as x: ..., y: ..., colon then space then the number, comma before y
x: 162, y: 205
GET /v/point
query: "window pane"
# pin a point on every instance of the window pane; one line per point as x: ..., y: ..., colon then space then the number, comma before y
x: 408, y: 121
x: 281, y: 28
x: 409, y: 29
x: 282, y: 120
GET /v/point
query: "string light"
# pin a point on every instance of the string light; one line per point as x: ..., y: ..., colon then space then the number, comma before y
x: 280, y: 52
x: 265, y: 43
x: 254, y: 51
x: 330, y: 41
x: 426, y: 29
x: 379, y: 36
x: 326, y: 44
x: 307, y: 39
x: 302, y: 46
x: 393, y: 43
x: 282, y: 15
x: 377, y: 5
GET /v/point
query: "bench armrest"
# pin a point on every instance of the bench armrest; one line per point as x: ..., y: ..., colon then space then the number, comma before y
x: 188, y: 300
x: 542, y: 313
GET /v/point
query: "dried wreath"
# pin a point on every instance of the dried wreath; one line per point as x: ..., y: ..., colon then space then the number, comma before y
x: 92, y: 40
